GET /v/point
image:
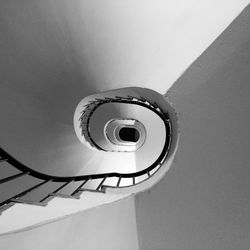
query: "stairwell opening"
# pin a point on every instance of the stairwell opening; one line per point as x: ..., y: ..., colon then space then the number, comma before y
x: 129, y: 134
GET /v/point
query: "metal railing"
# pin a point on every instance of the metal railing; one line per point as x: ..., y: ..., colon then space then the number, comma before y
x: 44, y: 187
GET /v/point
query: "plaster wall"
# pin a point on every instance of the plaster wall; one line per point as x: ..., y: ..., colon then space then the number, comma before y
x: 203, y: 202
x: 108, y: 227
x: 55, y: 52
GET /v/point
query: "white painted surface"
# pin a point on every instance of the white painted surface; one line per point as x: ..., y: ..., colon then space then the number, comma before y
x: 108, y: 227
x: 55, y: 52
x: 203, y: 202
x: 21, y: 216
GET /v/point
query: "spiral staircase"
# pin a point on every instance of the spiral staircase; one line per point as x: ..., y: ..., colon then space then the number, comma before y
x: 95, y: 111
x: 22, y: 184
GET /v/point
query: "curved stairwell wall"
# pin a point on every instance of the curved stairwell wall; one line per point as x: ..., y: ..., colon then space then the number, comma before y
x: 204, y: 202
x: 108, y: 227
x: 53, y: 53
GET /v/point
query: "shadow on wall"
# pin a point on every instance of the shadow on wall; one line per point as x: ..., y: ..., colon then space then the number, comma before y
x: 203, y: 202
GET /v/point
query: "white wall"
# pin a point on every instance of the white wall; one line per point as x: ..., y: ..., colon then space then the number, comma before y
x: 108, y: 227
x: 204, y: 200
x: 55, y: 52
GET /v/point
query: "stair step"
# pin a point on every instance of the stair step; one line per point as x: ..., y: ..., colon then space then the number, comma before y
x: 68, y: 190
x: 111, y: 181
x: 39, y: 195
x: 126, y: 182
x: 141, y: 178
x: 14, y: 187
x: 7, y: 170
x: 154, y: 170
x: 92, y: 185
x: 87, y: 112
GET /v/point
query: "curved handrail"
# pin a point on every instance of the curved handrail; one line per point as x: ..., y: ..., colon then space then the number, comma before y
x: 17, y: 164
x: 25, y: 170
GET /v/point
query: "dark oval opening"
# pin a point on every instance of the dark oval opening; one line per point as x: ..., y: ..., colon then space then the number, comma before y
x: 129, y: 134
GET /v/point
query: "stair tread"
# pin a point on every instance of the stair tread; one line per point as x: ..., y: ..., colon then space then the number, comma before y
x: 7, y: 170
x: 40, y: 193
x: 69, y: 189
x: 16, y: 186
